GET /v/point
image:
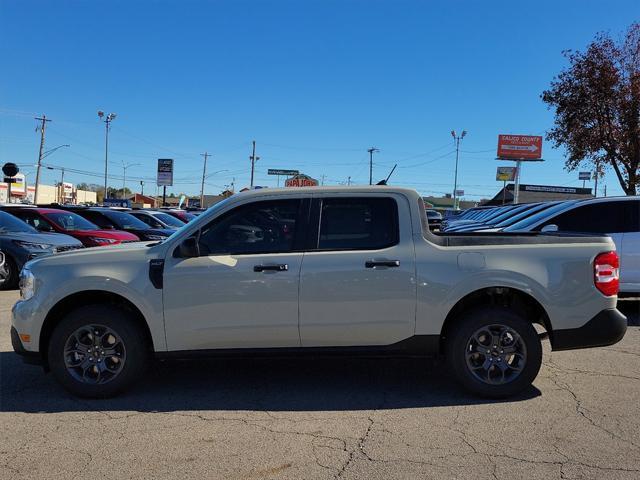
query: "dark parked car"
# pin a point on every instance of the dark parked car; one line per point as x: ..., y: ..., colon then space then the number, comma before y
x: 112, y: 219
x: 20, y: 243
x: 69, y: 223
x: 156, y: 219
x: 435, y: 219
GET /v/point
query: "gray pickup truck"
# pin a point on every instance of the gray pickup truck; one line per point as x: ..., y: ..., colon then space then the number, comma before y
x: 319, y: 270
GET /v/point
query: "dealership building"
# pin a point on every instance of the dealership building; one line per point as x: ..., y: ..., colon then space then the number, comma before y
x: 538, y: 193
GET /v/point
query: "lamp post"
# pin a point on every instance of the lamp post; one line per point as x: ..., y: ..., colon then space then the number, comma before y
x: 457, y: 138
x: 202, y: 189
x: 124, y: 176
x: 39, y: 165
x: 107, y: 121
x: 61, y: 189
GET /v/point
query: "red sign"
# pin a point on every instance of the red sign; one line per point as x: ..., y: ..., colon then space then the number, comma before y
x: 301, y: 181
x: 528, y: 147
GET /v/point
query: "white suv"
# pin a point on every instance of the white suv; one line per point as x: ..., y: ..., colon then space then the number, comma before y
x: 617, y: 216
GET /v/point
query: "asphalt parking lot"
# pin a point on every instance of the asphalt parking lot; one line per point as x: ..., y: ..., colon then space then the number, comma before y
x: 313, y: 418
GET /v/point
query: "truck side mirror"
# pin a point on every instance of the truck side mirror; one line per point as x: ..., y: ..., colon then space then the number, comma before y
x: 189, y: 248
x: 550, y: 228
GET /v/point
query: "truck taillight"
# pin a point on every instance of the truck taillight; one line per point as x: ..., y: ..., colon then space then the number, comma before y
x: 606, y: 273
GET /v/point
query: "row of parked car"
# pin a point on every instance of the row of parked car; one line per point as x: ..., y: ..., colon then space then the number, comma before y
x: 618, y: 217
x: 28, y: 231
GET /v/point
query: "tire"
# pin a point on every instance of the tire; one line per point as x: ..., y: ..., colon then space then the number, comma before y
x: 9, y: 274
x: 103, y: 365
x: 494, y: 372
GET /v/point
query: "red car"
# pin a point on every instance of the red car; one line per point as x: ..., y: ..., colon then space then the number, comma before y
x: 69, y: 223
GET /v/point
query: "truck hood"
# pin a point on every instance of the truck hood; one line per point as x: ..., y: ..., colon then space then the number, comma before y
x: 113, y: 254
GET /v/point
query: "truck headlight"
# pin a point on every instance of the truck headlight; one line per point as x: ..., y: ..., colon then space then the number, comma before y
x: 27, y: 284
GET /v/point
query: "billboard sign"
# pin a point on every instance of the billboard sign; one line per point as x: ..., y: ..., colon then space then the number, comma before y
x: 165, y: 172
x: 506, y: 174
x: 301, y: 180
x: 459, y: 193
x: 278, y: 171
x: 584, y: 176
x: 520, y: 147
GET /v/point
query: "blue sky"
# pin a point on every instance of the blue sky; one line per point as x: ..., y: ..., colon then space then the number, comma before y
x: 315, y: 83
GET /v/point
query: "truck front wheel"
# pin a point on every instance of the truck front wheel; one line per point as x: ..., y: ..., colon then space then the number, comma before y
x: 97, y: 351
x: 494, y: 352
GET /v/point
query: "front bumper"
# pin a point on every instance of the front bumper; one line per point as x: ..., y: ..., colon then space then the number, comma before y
x: 32, y: 358
x: 606, y: 328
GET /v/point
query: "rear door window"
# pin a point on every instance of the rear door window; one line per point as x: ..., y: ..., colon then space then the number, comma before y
x: 352, y: 223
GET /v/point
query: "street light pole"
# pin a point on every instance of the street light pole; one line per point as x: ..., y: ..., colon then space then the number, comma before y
x: 457, y: 138
x: 107, y: 120
x: 124, y: 176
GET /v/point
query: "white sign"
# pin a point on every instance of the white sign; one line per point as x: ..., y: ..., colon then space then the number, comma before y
x: 165, y: 172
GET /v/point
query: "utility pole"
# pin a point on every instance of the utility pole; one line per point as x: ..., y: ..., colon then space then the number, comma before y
x: 457, y: 138
x: 204, y: 173
x: 322, y: 181
x: 348, y: 181
x: 107, y: 121
x: 42, y: 127
x: 142, y: 187
x: 253, y: 159
x: 371, y: 152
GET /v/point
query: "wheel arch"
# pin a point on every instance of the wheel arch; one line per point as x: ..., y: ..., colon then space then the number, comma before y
x: 509, y: 297
x: 83, y: 298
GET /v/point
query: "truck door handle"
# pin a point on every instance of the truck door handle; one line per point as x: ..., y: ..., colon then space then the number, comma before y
x: 280, y: 267
x: 381, y: 263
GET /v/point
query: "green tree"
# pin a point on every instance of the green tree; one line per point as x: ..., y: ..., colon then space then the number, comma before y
x: 597, y: 107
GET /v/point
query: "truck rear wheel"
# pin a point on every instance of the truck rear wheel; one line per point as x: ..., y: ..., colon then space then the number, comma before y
x: 494, y: 352
x: 97, y: 351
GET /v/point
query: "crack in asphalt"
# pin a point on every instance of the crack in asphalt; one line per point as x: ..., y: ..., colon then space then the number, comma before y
x: 582, y: 411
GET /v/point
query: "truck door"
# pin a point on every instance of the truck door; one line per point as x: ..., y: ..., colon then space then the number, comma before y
x: 242, y: 289
x: 357, y: 283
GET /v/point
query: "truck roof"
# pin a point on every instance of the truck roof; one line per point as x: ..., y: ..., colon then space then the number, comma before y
x: 333, y: 189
